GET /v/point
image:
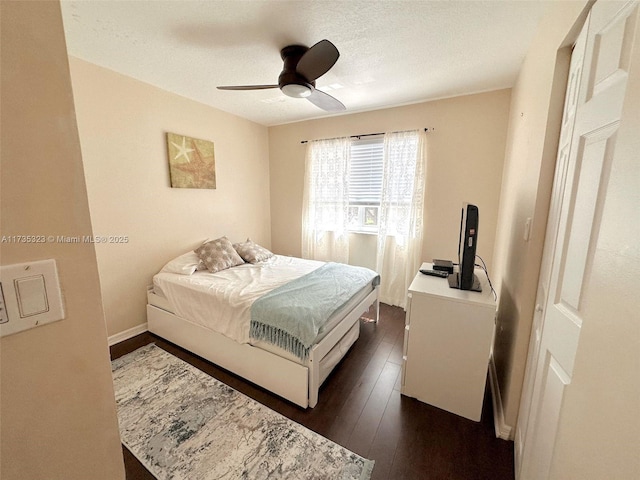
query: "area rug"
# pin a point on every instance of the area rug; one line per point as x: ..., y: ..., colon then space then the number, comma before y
x: 184, y: 424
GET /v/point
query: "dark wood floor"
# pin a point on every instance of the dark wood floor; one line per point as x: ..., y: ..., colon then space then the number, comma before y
x: 361, y: 408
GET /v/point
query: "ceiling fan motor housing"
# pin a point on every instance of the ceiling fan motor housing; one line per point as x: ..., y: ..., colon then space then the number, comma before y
x: 290, y: 81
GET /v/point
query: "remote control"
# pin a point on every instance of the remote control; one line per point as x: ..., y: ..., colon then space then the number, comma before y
x: 435, y: 273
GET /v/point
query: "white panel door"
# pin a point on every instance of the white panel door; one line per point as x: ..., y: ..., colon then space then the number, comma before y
x: 580, y: 198
x: 562, y: 162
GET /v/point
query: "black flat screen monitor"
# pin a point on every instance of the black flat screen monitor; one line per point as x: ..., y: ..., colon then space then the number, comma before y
x: 465, y: 279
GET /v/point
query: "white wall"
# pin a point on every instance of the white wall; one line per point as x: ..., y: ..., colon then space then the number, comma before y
x: 122, y: 124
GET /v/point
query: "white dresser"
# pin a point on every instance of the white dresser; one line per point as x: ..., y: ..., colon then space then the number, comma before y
x: 447, y: 343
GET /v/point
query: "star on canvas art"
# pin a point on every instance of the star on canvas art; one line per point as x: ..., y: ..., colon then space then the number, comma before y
x: 192, y: 162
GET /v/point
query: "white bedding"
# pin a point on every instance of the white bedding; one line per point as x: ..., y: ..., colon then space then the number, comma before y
x: 222, y: 301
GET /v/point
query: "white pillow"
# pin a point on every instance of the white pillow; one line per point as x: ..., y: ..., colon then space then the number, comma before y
x: 185, y: 264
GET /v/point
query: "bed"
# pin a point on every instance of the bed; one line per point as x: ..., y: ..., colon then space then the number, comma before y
x: 217, y: 316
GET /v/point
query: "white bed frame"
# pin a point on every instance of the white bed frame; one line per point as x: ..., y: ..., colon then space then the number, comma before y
x: 293, y: 381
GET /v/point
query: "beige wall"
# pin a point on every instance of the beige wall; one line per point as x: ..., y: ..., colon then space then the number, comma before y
x: 122, y: 124
x: 58, y: 409
x: 534, y: 124
x: 465, y: 157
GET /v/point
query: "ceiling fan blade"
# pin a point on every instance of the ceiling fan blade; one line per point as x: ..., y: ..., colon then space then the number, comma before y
x: 325, y: 101
x: 317, y: 60
x: 246, y: 87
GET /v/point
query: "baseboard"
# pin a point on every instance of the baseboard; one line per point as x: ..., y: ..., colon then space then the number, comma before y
x: 127, y: 334
x: 503, y: 430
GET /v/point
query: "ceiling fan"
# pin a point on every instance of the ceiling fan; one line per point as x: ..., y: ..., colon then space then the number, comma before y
x: 302, y: 66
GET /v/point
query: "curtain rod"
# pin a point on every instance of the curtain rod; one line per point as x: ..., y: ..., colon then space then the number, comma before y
x: 367, y: 135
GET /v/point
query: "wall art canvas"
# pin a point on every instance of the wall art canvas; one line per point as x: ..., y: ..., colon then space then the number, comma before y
x: 192, y: 162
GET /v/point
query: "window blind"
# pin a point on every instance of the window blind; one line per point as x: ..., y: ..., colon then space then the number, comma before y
x: 365, y: 175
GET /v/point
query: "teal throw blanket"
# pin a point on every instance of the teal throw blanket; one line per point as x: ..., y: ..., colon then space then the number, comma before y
x: 291, y: 316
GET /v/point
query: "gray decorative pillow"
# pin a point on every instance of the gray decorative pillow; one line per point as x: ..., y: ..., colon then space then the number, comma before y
x: 252, y: 252
x: 218, y: 255
x: 201, y: 266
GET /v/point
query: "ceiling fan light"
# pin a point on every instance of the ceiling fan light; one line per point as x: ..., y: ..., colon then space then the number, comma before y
x: 296, y: 90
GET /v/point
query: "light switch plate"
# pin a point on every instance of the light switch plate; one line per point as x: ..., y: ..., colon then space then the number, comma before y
x: 32, y: 296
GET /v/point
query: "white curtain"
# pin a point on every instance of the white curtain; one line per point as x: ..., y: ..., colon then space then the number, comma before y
x: 325, y: 234
x: 401, y: 214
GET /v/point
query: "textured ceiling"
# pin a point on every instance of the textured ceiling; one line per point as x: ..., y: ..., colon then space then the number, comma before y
x: 391, y: 52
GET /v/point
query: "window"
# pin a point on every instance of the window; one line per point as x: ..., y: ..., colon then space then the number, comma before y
x: 365, y: 184
x: 372, y: 185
